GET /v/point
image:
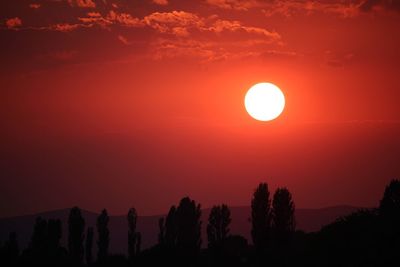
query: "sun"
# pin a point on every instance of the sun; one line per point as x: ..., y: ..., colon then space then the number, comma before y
x: 264, y: 101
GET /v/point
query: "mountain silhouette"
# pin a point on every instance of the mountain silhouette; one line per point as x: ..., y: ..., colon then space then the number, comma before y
x: 308, y: 220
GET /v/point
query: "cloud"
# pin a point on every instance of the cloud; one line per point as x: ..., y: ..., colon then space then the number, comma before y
x: 123, y: 18
x: 176, y: 22
x: 345, y: 9
x: 371, y: 5
x: 227, y: 25
x: 161, y: 2
x: 34, y: 6
x: 13, y: 23
x: 207, y: 50
x: 124, y: 40
x: 186, y: 34
x: 279, y: 53
x: 82, y: 3
x: 181, y: 23
x: 291, y: 8
x: 235, y: 4
x: 111, y: 18
x: 170, y: 48
x: 94, y: 14
x: 64, y: 27
x: 171, y: 34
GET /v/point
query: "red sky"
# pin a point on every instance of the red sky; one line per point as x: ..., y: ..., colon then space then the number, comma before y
x: 119, y: 103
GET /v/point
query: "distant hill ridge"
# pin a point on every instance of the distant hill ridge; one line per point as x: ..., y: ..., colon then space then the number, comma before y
x: 308, y: 220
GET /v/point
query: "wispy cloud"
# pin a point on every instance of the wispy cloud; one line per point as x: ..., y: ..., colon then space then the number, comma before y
x: 376, y: 5
x: 111, y: 18
x: 13, y: 23
x: 227, y: 25
x: 235, y: 4
x: 124, y: 40
x: 175, y: 22
x: 35, y: 5
x: 290, y: 8
x: 161, y: 2
x: 82, y: 3
x: 176, y: 33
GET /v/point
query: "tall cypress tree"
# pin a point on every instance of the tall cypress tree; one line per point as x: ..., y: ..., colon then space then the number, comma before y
x: 89, y: 246
x: 103, y: 236
x: 134, y: 238
x: 260, y: 216
x: 218, y: 225
x: 188, y: 238
x: 283, y: 218
x: 76, y: 227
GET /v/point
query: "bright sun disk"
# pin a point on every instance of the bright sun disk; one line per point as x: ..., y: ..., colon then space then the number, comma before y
x: 264, y: 101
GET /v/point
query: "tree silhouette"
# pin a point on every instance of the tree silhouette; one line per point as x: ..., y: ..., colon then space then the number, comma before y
x: 89, y: 246
x: 218, y: 225
x: 54, y: 253
x: 260, y: 216
x: 390, y: 204
x: 351, y: 240
x: 188, y: 228
x: 45, y: 249
x: 103, y: 236
x: 76, y: 228
x: 54, y: 233
x: 389, y: 213
x: 39, y: 236
x: 283, y: 218
x: 161, y: 231
x: 134, y: 238
x: 138, y: 242
x: 369, y: 237
x: 10, y: 251
x: 171, y: 228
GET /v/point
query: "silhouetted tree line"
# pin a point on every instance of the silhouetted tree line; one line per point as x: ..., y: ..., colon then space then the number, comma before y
x: 369, y: 237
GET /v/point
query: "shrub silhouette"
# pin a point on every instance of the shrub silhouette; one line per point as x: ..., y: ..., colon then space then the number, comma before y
x: 218, y: 225
x: 103, y: 236
x: 234, y: 251
x: 352, y: 239
x: 76, y: 228
x: 260, y: 217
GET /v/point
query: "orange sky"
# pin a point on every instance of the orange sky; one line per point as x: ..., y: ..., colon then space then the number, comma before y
x: 120, y: 103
